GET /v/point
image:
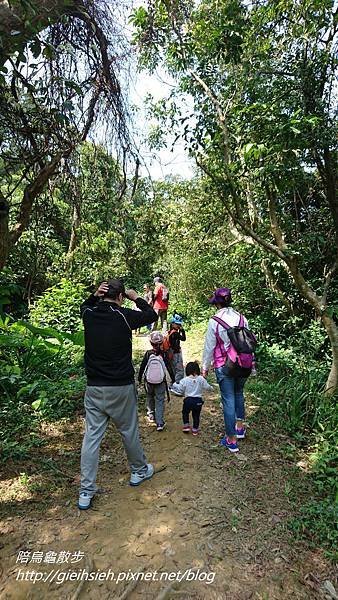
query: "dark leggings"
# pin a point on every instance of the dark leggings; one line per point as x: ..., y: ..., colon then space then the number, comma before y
x: 194, y: 406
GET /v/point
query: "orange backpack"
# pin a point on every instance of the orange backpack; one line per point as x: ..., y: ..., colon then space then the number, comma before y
x: 165, y: 346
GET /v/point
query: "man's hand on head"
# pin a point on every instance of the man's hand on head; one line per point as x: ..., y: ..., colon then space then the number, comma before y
x: 102, y: 289
x: 131, y: 295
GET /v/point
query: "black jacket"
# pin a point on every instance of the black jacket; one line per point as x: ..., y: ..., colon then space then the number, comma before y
x: 108, y: 339
x: 175, y: 338
x: 145, y: 362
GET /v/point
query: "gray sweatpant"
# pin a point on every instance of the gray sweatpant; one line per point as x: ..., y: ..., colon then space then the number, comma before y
x: 155, y: 401
x: 120, y: 404
x: 177, y: 364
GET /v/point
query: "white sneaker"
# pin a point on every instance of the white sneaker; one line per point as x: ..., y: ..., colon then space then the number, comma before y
x: 172, y: 391
x: 137, y: 478
x: 85, y: 501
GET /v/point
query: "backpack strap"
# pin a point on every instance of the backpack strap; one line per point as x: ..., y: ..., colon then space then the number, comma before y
x: 221, y: 322
x: 220, y: 341
x: 225, y: 325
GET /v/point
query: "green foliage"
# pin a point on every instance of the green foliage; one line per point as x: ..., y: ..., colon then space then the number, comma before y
x: 264, y: 135
x: 41, y: 376
x: 316, y: 524
x: 199, y: 253
x: 19, y: 430
x: 292, y: 385
x: 118, y: 229
x: 317, y: 517
x: 59, y: 306
x: 11, y: 292
x: 290, y: 391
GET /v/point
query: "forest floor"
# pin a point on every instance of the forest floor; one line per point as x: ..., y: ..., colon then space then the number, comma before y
x: 212, y: 516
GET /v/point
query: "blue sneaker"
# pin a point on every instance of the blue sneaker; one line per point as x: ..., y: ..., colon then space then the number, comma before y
x: 85, y: 501
x: 232, y: 446
x: 241, y: 433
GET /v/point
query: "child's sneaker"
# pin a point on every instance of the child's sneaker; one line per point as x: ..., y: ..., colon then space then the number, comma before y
x: 195, y: 431
x: 232, y: 446
x: 150, y: 419
x: 240, y: 433
x: 172, y: 391
x: 137, y: 478
x: 160, y: 427
x: 186, y: 428
x: 85, y: 501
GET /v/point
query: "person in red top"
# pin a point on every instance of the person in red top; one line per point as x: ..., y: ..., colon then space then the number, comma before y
x: 161, y: 303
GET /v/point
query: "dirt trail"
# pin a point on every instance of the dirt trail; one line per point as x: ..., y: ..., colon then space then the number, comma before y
x: 205, y: 510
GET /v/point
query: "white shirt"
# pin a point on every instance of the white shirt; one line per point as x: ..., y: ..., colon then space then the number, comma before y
x: 192, y: 386
x: 231, y: 318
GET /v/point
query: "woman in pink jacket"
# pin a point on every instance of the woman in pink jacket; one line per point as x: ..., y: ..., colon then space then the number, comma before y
x: 216, y: 348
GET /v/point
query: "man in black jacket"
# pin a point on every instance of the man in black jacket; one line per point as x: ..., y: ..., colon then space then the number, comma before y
x: 110, y: 373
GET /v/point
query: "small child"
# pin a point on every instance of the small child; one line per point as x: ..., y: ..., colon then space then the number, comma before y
x: 153, y: 366
x: 191, y: 387
x: 176, y: 335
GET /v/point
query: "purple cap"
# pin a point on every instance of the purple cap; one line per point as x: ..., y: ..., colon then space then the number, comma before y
x: 220, y: 295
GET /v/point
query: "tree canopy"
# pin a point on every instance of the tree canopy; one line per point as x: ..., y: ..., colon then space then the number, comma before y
x: 264, y: 133
x: 61, y: 64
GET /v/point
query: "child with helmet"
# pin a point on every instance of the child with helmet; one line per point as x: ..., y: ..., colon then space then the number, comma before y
x: 153, y: 367
x: 176, y: 335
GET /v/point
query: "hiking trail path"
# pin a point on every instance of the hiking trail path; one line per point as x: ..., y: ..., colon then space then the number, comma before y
x: 204, y: 509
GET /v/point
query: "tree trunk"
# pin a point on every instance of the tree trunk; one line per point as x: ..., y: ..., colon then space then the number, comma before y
x: 329, y: 324
x: 73, y: 237
x: 4, y: 230
x: 331, y: 188
x: 332, y: 331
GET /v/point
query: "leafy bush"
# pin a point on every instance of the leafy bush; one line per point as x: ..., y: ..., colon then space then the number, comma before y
x: 317, y: 517
x: 41, y: 376
x: 290, y: 390
x: 11, y: 293
x: 59, y: 306
x: 19, y: 430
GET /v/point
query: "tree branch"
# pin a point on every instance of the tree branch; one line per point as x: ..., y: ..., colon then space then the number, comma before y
x: 274, y: 286
x: 91, y: 112
x: 136, y: 176
x: 124, y: 180
x: 237, y: 221
x: 30, y: 193
x: 274, y: 224
x: 220, y: 114
x: 4, y: 230
x: 328, y: 279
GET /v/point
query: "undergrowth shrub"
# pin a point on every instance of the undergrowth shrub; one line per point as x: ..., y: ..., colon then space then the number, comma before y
x: 59, y: 306
x: 41, y: 377
x: 290, y: 390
